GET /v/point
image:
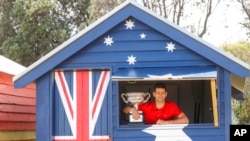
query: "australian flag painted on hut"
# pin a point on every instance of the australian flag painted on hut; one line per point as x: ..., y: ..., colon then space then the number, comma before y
x: 79, y: 84
x: 80, y: 96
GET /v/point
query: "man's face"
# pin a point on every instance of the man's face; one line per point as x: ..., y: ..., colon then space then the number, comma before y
x: 160, y: 94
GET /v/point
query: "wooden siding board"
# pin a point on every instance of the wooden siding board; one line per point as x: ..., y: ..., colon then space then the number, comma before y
x: 134, y: 35
x: 17, y: 135
x: 102, y: 126
x: 221, y: 95
x: 70, y: 66
x: 110, y: 105
x: 227, y: 103
x: 17, y: 126
x: 17, y: 108
x: 146, y: 45
x: 7, y: 99
x: 150, y: 56
x: 10, y: 90
x: 106, y: 114
x: 17, y: 117
x: 44, y: 112
x: 6, y: 80
x: 60, y: 121
x: 134, y: 46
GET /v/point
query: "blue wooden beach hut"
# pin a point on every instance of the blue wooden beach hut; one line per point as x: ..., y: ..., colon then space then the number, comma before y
x: 79, y: 84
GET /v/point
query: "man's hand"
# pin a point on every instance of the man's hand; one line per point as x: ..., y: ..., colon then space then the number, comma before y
x: 135, y: 113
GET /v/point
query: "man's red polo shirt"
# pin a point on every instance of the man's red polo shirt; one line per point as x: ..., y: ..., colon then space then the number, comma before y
x: 151, y: 114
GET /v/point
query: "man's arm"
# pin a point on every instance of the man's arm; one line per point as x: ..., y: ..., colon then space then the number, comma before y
x: 181, y: 119
x: 133, y: 110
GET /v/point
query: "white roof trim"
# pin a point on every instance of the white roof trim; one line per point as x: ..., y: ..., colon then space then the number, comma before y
x: 109, y: 14
x: 9, y: 66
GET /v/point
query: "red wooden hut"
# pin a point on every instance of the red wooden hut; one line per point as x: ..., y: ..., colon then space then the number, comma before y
x: 17, y: 106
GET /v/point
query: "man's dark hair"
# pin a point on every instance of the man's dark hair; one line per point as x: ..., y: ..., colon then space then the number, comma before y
x: 160, y: 85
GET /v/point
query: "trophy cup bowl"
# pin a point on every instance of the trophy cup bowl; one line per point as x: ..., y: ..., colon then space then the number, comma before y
x: 135, y: 98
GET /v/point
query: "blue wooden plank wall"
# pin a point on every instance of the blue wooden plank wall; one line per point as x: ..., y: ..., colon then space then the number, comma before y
x: 150, y: 51
x: 44, y: 108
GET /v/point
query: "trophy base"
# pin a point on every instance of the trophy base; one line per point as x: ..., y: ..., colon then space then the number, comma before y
x: 135, y: 123
x: 138, y: 121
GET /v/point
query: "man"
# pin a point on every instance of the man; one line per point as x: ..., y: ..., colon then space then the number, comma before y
x: 159, y: 111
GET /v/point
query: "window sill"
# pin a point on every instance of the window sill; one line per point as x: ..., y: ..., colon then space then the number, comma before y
x: 168, y: 126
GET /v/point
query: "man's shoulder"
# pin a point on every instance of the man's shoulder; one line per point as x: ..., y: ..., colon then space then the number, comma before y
x: 169, y: 102
x: 147, y: 103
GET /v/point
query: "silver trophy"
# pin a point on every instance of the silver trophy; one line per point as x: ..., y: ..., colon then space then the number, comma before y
x: 134, y: 98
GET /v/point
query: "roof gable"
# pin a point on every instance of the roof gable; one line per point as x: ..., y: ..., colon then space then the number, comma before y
x: 141, y: 41
x: 116, y: 16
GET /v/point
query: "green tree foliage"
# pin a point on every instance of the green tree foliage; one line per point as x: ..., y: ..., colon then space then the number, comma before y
x: 99, y: 8
x: 32, y: 28
x: 5, y: 27
x: 240, y: 50
x: 242, y: 109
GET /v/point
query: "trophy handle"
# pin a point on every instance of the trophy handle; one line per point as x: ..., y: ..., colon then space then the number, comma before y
x: 148, y: 96
x: 123, y: 95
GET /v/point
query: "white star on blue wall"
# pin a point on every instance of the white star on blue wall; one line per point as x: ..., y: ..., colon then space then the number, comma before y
x: 129, y: 24
x: 131, y: 60
x: 143, y: 36
x: 108, y: 41
x: 170, y: 47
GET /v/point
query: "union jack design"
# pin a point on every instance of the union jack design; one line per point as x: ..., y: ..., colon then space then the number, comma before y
x: 81, y: 98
